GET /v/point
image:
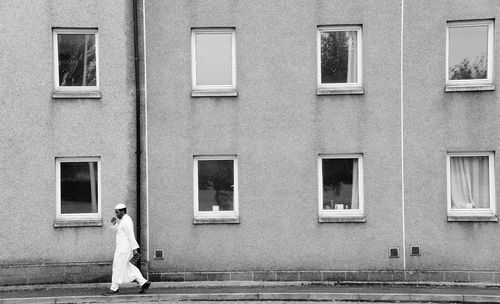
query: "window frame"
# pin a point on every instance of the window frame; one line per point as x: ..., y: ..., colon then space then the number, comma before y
x: 213, y: 90
x: 471, y: 84
x: 77, y: 219
x: 345, y: 215
x: 472, y: 214
x: 75, y: 91
x: 215, y: 217
x: 340, y: 88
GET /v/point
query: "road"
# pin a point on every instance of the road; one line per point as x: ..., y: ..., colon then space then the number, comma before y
x: 280, y: 302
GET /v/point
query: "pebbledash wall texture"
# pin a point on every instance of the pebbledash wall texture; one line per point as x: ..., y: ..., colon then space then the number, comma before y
x: 276, y: 127
x: 400, y: 122
x: 437, y: 124
x: 405, y: 124
x: 42, y: 125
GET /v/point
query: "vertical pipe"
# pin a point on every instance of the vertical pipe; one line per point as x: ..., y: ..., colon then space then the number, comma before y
x: 137, y: 124
x: 144, y: 74
x: 403, y: 198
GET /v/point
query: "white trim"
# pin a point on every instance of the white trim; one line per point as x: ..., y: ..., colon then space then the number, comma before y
x: 216, y: 214
x: 341, y: 86
x: 77, y: 216
x: 347, y: 212
x: 403, y: 204
x: 210, y: 88
x: 146, y: 141
x: 79, y: 31
x: 478, y: 212
x: 491, y: 70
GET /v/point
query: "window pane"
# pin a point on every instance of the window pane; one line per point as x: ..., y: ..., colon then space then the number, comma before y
x: 339, y: 52
x: 214, y: 59
x: 340, y: 184
x: 215, y: 185
x: 470, y: 184
x: 79, y: 187
x: 77, y: 59
x: 468, y: 52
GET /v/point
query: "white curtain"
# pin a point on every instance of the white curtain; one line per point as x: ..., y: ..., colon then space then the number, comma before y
x: 93, y: 188
x: 352, y: 55
x: 355, y: 186
x: 469, y: 178
x: 85, y: 55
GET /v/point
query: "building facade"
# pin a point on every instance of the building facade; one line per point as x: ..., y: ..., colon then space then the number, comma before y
x: 318, y: 143
x: 281, y: 140
x: 447, y: 120
x: 67, y: 137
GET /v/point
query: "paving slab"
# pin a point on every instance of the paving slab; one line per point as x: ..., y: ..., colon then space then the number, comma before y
x: 482, y: 298
x: 162, y: 292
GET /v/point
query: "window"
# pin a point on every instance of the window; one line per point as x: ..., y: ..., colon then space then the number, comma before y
x: 340, y: 188
x: 469, y: 55
x: 339, y: 60
x: 76, y: 63
x: 215, y: 189
x: 471, y: 187
x: 78, y: 192
x: 213, y: 62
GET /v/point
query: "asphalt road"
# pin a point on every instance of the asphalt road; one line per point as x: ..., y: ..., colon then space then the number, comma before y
x: 279, y: 302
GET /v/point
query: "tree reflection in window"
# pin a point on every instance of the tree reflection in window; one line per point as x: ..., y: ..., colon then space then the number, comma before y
x: 77, y: 60
x: 215, y: 185
x: 339, y: 57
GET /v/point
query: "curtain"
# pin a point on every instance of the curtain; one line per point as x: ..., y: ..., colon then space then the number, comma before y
x: 352, y: 55
x: 355, y: 185
x: 84, y: 77
x: 469, y: 178
x: 93, y: 188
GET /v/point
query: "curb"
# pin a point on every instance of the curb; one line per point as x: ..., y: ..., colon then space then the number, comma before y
x: 201, y: 284
x: 360, y: 297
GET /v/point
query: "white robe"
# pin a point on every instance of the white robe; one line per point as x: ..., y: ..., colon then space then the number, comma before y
x: 123, y: 270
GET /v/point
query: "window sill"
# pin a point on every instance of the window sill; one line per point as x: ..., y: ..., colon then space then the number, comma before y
x: 342, y: 219
x: 340, y: 91
x: 472, y: 218
x: 469, y: 88
x: 219, y: 220
x: 214, y: 93
x: 72, y: 223
x: 76, y: 95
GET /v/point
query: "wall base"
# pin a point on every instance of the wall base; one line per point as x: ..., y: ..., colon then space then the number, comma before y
x: 465, y: 276
x: 55, y: 273
x: 100, y: 272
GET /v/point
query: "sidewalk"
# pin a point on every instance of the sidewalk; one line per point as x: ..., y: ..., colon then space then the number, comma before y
x: 254, y: 291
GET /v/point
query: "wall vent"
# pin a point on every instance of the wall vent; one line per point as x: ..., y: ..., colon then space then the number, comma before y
x: 415, y: 250
x: 159, y: 255
x: 394, y: 252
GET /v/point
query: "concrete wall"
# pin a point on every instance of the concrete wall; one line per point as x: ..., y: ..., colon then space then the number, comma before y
x: 37, y: 128
x: 437, y: 122
x: 276, y: 126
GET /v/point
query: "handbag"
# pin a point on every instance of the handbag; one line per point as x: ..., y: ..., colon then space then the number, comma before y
x: 135, y: 258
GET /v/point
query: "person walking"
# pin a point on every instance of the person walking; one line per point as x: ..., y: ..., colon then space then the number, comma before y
x: 126, y: 247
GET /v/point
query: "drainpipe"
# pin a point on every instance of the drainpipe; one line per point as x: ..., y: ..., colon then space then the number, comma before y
x: 137, y: 124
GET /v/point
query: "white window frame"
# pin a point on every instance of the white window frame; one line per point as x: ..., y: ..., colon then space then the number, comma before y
x: 214, y: 215
x: 479, y: 212
x: 77, y: 216
x: 350, y: 87
x: 346, y: 213
x: 74, y: 31
x: 474, y: 84
x: 217, y: 90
